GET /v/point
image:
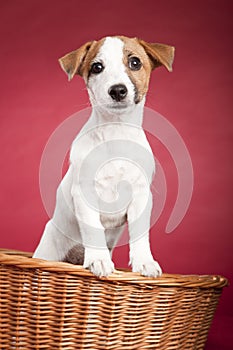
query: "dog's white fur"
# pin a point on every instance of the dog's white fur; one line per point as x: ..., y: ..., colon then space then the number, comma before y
x: 75, y: 220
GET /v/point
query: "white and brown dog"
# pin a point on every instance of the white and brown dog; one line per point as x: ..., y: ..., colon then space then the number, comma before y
x: 83, y: 230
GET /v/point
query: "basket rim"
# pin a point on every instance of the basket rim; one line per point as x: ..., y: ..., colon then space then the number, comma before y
x: 24, y: 260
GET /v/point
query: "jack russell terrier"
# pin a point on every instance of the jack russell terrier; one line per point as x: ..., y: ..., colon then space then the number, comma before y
x: 82, y: 230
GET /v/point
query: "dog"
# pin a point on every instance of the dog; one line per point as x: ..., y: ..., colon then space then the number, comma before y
x: 116, y: 70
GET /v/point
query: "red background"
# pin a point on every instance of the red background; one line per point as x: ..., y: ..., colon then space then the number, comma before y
x: 195, y: 98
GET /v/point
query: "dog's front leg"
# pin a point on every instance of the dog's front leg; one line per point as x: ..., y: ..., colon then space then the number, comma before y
x: 141, y: 258
x: 96, y: 256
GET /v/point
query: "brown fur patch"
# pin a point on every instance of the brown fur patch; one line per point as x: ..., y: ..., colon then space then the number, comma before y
x: 152, y: 55
x: 88, y: 60
x: 72, y: 61
x: 139, y: 78
x: 79, y: 61
x: 159, y: 54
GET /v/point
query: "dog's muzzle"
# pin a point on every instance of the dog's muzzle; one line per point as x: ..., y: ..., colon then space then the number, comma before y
x: 118, y: 92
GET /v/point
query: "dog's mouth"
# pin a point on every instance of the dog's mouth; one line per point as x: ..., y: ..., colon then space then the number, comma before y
x: 119, y: 106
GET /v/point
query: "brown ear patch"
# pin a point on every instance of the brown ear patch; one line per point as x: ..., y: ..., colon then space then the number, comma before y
x: 79, y: 61
x: 71, y: 63
x: 159, y: 54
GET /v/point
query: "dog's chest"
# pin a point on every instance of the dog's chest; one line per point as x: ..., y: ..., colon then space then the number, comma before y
x: 118, y: 175
x: 113, y: 158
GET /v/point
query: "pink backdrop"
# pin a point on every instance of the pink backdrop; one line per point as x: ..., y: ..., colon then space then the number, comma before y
x: 195, y: 98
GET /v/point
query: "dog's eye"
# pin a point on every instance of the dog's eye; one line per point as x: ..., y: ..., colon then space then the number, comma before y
x: 97, y: 68
x: 134, y: 63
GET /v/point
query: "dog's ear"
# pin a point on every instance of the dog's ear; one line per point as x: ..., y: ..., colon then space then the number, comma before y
x: 159, y: 54
x: 71, y: 63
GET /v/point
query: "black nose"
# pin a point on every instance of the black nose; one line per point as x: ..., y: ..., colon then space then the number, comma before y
x: 118, y: 92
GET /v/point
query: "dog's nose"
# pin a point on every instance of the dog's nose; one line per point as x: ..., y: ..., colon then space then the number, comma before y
x: 118, y: 92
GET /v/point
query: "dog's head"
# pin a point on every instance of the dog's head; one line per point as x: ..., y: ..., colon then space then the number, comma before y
x: 117, y: 69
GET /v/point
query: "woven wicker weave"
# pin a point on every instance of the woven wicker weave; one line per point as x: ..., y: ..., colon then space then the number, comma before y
x: 46, y: 305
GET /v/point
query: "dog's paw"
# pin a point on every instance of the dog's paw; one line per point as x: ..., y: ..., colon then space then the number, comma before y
x: 101, y: 267
x: 148, y: 268
x: 99, y: 262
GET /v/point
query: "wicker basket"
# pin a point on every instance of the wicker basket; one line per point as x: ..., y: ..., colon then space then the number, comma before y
x: 45, y: 305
